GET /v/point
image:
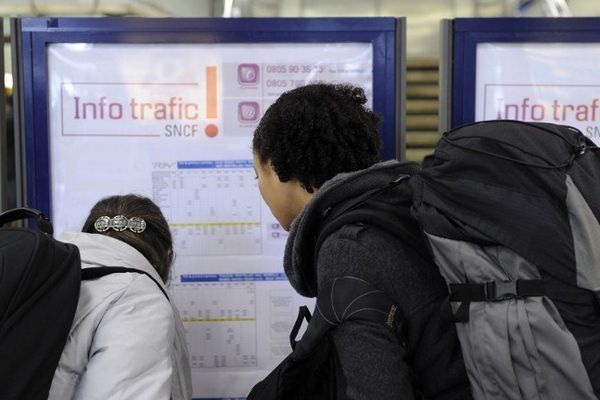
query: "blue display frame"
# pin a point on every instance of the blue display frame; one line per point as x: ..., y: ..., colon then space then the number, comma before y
x: 385, y: 34
x: 467, y: 33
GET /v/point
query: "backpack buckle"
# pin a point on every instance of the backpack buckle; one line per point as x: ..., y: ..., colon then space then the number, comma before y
x: 581, y: 147
x: 500, y: 291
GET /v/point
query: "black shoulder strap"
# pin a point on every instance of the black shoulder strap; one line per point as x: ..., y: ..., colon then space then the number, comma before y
x: 374, y: 213
x: 369, y: 210
x: 98, y: 272
x: 367, y: 196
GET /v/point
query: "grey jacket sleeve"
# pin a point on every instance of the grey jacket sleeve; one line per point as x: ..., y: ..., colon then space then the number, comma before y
x: 372, y: 363
x: 372, y: 358
x: 370, y: 355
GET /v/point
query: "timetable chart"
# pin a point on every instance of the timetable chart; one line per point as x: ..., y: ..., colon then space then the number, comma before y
x: 220, y: 322
x: 213, y: 207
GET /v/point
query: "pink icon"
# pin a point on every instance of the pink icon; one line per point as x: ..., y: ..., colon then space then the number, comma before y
x: 248, y: 74
x: 248, y: 111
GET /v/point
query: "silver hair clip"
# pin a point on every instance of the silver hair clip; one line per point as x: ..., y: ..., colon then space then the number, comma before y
x: 119, y: 223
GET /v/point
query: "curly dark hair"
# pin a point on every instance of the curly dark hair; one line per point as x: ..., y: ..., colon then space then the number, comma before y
x: 315, y: 132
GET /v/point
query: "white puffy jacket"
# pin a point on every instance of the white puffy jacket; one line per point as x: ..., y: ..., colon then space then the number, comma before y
x: 126, y: 341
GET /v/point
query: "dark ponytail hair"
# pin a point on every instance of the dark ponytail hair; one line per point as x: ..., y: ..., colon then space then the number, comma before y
x: 155, y: 242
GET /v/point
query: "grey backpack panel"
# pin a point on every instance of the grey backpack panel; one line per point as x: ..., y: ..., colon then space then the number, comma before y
x: 586, y: 238
x: 511, y: 211
x: 514, y: 349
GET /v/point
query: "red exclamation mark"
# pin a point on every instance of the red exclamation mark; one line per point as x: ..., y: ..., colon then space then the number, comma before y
x: 211, y: 130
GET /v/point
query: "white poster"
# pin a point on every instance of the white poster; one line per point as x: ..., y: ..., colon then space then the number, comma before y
x: 540, y: 82
x: 174, y: 122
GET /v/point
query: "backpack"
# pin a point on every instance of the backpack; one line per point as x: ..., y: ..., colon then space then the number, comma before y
x: 510, y: 211
x: 312, y: 371
x: 40, y: 278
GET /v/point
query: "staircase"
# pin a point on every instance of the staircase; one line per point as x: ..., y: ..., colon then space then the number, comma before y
x: 422, y: 105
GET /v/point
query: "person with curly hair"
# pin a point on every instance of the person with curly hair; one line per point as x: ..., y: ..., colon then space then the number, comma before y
x: 315, y: 149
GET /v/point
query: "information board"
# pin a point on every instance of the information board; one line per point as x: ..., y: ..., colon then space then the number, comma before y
x: 530, y: 69
x: 174, y: 121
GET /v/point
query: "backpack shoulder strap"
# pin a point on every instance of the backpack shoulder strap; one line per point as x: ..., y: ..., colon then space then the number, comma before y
x: 371, y: 210
x: 98, y: 272
x: 17, y: 214
x: 377, y: 214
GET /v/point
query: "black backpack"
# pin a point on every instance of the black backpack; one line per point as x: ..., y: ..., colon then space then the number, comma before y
x: 511, y: 213
x: 312, y: 371
x: 39, y: 290
x: 40, y: 279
